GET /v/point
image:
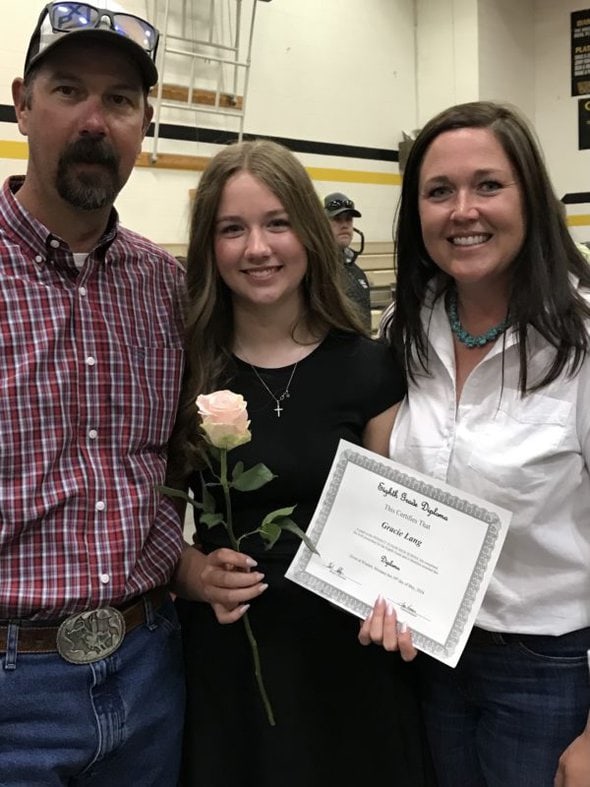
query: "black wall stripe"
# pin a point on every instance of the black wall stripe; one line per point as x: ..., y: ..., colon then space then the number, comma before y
x: 7, y: 114
x: 576, y: 198
x: 215, y: 137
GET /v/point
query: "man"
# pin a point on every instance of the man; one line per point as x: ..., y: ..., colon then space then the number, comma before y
x: 341, y: 212
x: 91, y: 360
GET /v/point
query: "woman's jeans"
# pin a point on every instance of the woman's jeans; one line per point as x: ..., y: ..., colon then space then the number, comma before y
x: 506, y: 713
x: 114, y: 723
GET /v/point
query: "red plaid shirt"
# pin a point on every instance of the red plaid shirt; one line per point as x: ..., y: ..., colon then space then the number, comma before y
x: 90, y: 370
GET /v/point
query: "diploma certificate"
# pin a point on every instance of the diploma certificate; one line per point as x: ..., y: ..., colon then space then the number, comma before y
x: 428, y: 548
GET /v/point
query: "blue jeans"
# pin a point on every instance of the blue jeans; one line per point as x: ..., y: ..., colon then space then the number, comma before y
x: 505, y: 714
x: 114, y: 723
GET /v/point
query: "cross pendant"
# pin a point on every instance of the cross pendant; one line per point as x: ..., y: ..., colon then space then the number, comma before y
x: 278, y: 409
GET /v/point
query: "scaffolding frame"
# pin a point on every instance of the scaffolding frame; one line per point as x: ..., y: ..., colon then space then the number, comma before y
x: 224, y: 55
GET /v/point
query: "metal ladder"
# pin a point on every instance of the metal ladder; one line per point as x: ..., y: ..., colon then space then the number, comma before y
x: 204, y: 60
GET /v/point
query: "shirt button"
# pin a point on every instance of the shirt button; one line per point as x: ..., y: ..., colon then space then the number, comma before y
x: 54, y: 243
x: 90, y: 361
x: 39, y: 258
x: 93, y: 434
x: 105, y: 579
x: 100, y: 506
x: 82, y: 290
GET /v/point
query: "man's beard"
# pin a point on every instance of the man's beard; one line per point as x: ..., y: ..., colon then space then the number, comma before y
x: 88, y: 189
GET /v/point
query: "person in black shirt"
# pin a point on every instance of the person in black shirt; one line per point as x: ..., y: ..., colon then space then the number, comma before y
x: 267, y: 319
x: 341, y: 213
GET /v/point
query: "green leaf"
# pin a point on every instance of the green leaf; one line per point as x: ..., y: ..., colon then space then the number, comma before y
x: 278, y: 514
x: 171, y: 492
x: 211, y: 519
x: 237, y: 471
x: 254, y: 478
x: 293, y: 527
x: 207, y: 461
x: 270, y: 533
x: 214, y: 451
x: 207, y: 498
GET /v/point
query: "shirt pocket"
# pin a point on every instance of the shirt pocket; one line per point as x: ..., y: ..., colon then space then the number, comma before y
x: 517, y: 446
x: 144, y: 406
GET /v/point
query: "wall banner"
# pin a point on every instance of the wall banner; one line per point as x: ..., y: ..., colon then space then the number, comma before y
x: 584, y: 124
x: 580, y: 48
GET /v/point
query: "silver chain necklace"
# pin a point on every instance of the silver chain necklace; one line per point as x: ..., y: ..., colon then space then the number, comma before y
x: 278, y: 399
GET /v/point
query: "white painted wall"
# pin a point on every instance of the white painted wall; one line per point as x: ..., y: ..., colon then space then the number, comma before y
x: 556, y: 111
x: 446, y: 55
x: 518, y: 52
x: 358, y: 73
x: 507, y: 53
x: 336, y: 71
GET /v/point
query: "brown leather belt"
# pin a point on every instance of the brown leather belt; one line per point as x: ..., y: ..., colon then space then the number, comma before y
x: 43, y: 639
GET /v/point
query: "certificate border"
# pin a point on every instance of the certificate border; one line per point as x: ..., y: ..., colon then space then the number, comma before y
x: 489, y: 518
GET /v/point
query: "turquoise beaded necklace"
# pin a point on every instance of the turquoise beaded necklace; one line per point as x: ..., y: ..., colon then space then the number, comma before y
x: 464, y: 336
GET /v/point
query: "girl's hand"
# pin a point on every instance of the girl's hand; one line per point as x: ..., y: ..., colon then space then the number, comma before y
x: 228, y: 583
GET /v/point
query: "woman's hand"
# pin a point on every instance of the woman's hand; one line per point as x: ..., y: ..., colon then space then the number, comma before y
x: 228, y: 583
x: 574, y: 763
x: 381, y: 628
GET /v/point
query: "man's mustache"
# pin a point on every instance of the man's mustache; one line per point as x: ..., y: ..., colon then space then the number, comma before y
x: 90, y: 151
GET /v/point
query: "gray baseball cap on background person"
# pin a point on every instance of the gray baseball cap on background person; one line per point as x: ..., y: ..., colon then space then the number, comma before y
x: 337, y: 203
x: 108, y: 23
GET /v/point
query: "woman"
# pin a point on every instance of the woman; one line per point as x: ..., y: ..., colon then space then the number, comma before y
x: 491, y: 323
x: 267, y: 319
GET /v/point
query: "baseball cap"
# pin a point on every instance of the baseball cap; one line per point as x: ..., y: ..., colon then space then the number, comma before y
x: 337, y: 203
x: 108, y: 22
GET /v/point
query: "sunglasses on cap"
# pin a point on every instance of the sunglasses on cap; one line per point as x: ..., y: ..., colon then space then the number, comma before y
x: 70, y: 17
x: 336, y: 204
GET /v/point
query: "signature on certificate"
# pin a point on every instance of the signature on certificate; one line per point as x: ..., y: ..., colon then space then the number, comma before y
x: 338, y: 571
x: 407, y: 608
x: 387, y: 562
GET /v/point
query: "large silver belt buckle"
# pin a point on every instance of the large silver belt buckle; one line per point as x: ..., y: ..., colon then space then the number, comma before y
x: 90, y: 636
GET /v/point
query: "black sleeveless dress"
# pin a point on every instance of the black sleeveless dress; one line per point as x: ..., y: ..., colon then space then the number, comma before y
x: 346, y: 714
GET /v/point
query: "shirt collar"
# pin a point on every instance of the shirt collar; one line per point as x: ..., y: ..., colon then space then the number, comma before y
x: 23, y: 228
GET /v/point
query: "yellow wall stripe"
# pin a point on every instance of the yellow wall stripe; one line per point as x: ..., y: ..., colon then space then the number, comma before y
x: 355, y: 176
x: 15, y: 150
x: 20, y: 150
x: 578, y: 220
